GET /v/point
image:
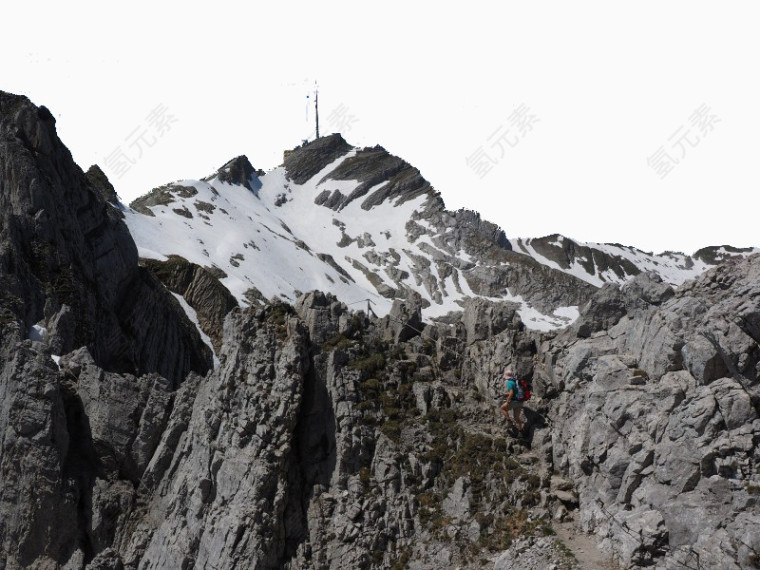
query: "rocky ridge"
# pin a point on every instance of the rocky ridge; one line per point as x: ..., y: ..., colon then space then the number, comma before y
x: 599, y: 263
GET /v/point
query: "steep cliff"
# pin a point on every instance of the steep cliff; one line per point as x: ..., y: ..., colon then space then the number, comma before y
x: 70, y: 284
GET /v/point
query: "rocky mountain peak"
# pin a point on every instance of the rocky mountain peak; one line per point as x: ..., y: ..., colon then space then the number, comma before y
x: 381, y: 176
x: 33, y: 126
x: 66, y: 251
x: 240, y: 172
x: 383, y: 234
x: 490, y: 232
x: 306, y: 160
x: 101, y: 184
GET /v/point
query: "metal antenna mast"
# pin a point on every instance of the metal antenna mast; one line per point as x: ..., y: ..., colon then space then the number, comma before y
x: 316, y: 105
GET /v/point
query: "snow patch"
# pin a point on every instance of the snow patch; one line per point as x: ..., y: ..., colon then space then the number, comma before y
x: 534, y: 319
x: 571, y: 313
x: 37, y: 333
x: 193, y: 316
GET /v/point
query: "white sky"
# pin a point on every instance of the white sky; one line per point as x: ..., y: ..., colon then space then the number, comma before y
x: 608, y: 82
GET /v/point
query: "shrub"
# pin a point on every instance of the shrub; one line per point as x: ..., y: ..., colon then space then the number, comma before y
x: 392, y: 429
x: 337, y: 342
x: 371, y: 387
x: 369, y: 364
x: 402, y: 562
x: 364, y: 476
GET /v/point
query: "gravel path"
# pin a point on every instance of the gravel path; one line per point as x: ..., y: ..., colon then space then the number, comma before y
x: 584, y: 548
x: 569, y: 549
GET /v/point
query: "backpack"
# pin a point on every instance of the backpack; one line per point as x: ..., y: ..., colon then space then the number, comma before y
x: 523, y: 390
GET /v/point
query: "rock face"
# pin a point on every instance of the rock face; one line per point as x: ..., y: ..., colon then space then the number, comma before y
x: 66, y: 249
x: 656, y: 419
x: 330, y: 438
x: 388, y: 176
x: 201, y: 288
x: 100, y: 182
x: 239, y: 171
x: 314, y: 156
x: 70, y: 284
x: 217, y: 489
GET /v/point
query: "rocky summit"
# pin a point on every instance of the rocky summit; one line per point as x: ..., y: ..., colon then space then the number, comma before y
x: 301, y: 369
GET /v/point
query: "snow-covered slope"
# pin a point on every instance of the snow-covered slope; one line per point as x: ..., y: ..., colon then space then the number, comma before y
x: 366, y: 226
x: 268, y: 242
x: 361, y: 224
x: 600, y: 263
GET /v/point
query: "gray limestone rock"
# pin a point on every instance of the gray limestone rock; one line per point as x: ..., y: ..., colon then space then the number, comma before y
x: 70, y: 281
x: 483, y: 319
x: 647, y: 288
x: 239, y: 171
x: 38, y: 495
x: 63, y: 244
x: 306, y: 161
x: 201, y: 289
x: 227, y: 490
x: 404, y: 321
x: 603, y: 311
x: 126, y: 415
x: 661, y: 465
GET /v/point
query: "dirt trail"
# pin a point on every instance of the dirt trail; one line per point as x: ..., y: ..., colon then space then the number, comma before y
x: 584, y: 548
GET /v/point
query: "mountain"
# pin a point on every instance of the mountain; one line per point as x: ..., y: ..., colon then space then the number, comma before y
x: 196, y: 381
x: 359, y: 223
x: 367, y: 227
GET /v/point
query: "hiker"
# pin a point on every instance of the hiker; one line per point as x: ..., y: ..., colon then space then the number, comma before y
x: 515, y: 399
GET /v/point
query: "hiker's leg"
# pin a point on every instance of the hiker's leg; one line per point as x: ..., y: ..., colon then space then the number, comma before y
x: 504, y: 411
x: 516, y: 413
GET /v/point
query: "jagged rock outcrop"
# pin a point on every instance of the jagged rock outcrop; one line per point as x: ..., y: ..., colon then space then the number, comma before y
x: 62, y: 244
x: 38, y: 496
x: 100, y: 182
x: 305, y: 448
x: 239, y: 171
x: 223, y: 500
x: 201, y: 288
x: 565, y: 253
x: 603, y: 263
x: 392, y: 179
x: 308, y: 160
x: 656, y: 420
x: 162, y: 196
